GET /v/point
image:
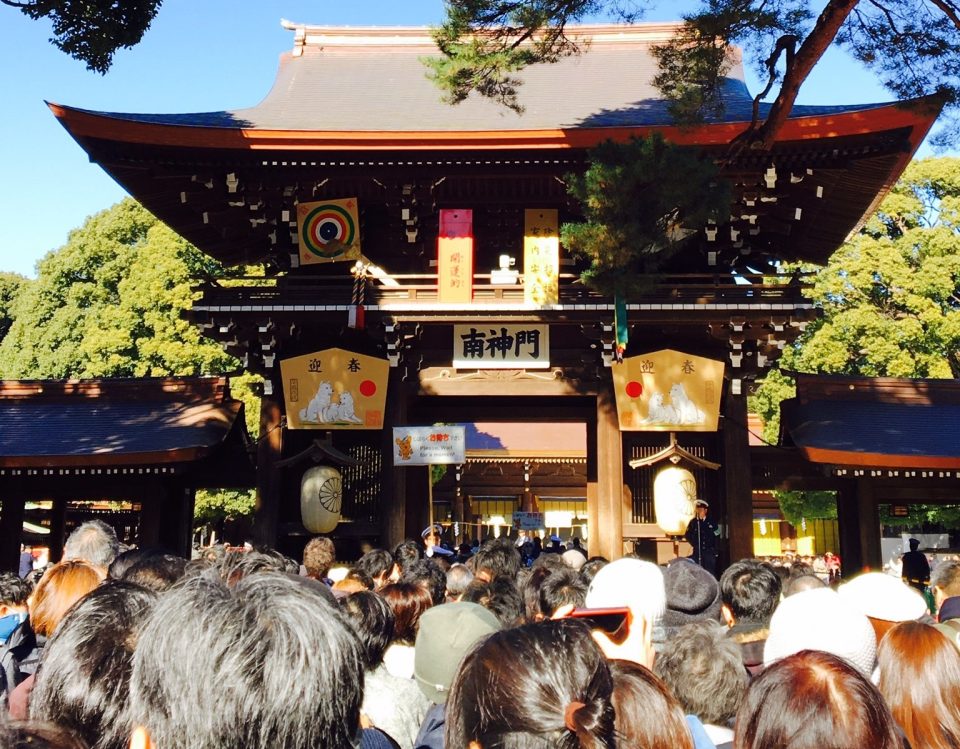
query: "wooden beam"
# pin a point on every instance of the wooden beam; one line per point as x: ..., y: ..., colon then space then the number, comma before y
x: 11, y: 528
x: 393, y: 515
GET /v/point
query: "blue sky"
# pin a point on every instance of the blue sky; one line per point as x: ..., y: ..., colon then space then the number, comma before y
x: 199, y: 55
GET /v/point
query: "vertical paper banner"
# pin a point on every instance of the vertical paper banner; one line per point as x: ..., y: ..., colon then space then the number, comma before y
x: 455, y: 256
x: 541, y: 256
x: 328, y: 231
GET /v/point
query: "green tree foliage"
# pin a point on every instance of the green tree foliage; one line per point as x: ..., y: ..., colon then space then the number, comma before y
x: 799, y: 505
x: 11, y: 284
x: 109, y: 303
x: 213, y: 508
x: 92, y: 30
x: 640, y: 200
x: 913, y: 46
x: 890, y: 297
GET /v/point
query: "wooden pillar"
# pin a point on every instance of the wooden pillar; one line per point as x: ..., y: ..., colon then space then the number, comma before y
x: 869, y: 526
x: 266, y: 511
x: 151, y: 515
x: 11, y: 526
x: 736, y: 478
x: 848, y: 525
x: 58, y: 528
x: 393, y: 516
x: 606, y: 533
x: 175, y: 531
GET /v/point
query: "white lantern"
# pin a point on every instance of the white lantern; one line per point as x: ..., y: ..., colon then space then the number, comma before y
x: 674, y: 495
x: 320, y: 499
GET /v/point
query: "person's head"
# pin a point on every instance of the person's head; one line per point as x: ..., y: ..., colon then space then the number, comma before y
x: 372, y: 621
x: 14, y: 592
x: 884, y: 600
x: 633, y: 583
x: 93, y: 541
x: 749, y: 592
x: 591, y: 568
x: 35, y: 734
x: 408, y: 601
x: 406, y: 553
x: 429, y: 575
x: 701, y: 509
x: 692, y: 594
x: 794, y: 584
x: 813, y: 700
x: 914, y: 544
x: 945, y: 581
x: 561, y: 587
x: 60, y: 587
x: 492, y: 702
x: 447, y: 633
x: 821, y: 620
x: 85, y: 680
x: 920, y: 680
x: 459, y: 577
x: 496, y: 558
x: 267, y: 663
x: 647, y: 713
x: 318, y: 557
x: 157, y: 572
x: 704, y: 670
x: 379, y: 565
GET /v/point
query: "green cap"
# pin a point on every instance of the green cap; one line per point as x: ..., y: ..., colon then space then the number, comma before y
x: 447, y: 633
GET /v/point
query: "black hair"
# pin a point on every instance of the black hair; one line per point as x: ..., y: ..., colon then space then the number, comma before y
x: 591, y: 568
x: 428, y: 574
x: 157, y: 572
x: 406, y: 553
x: 14, y: 590
x: 751, y: 590
x: 492, y: 702
x: 84, y: 682
x: 372, y: 621
x: 497, y: 557
x: 561, y: 587
x: 376, y: 563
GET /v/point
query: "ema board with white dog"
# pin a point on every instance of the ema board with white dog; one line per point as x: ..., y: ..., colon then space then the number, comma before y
x: 668, y: 391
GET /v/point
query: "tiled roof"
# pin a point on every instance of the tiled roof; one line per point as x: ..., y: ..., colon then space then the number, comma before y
x: 374, y: 80
x: 883, y: 423
x: 67, y: 424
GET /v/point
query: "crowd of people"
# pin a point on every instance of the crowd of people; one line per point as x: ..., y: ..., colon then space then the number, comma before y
x: 416, y: 649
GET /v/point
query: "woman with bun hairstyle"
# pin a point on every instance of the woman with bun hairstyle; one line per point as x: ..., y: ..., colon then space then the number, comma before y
x: 539, y: 686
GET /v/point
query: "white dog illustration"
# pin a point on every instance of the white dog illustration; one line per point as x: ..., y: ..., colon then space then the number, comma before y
x: 321, y: 407
x: 660, y: 412
x: 687, y: 411
x: 345, y: 409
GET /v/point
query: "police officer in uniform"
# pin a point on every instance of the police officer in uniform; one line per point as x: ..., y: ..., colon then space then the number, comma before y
x: 702, y: 535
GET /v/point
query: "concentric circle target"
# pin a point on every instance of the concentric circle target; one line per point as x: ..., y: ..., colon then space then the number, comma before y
x: 328, y: 231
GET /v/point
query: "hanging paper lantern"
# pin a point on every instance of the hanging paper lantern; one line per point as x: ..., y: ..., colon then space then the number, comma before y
x: 320, y: 499
x: 763, y: 527
x: 674, y: 495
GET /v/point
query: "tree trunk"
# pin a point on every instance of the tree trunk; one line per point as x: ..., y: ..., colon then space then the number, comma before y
x: 817, y: 42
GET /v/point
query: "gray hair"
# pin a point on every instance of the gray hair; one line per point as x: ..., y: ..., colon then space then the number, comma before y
x: 458, y: 578
x: 93, y: 541
x: 946, y: 576
x: 268, y: 663
x: 704, y: 670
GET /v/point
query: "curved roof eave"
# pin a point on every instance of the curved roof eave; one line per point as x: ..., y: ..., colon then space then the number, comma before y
x: 83, y: 125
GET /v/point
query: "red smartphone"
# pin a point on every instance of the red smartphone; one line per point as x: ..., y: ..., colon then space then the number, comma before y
x: 609, y: 620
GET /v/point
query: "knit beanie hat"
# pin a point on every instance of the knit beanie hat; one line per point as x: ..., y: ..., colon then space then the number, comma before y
x: 628, y: 582
x: 693, y: 594
x: 821, y: 620
x: 446, y: 634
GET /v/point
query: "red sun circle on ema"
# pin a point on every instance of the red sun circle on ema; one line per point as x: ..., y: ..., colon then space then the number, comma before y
x: 368, y: 388
x: 634, y: 389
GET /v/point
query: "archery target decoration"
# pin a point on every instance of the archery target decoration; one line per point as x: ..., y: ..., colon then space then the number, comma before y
x: 328, y: 231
